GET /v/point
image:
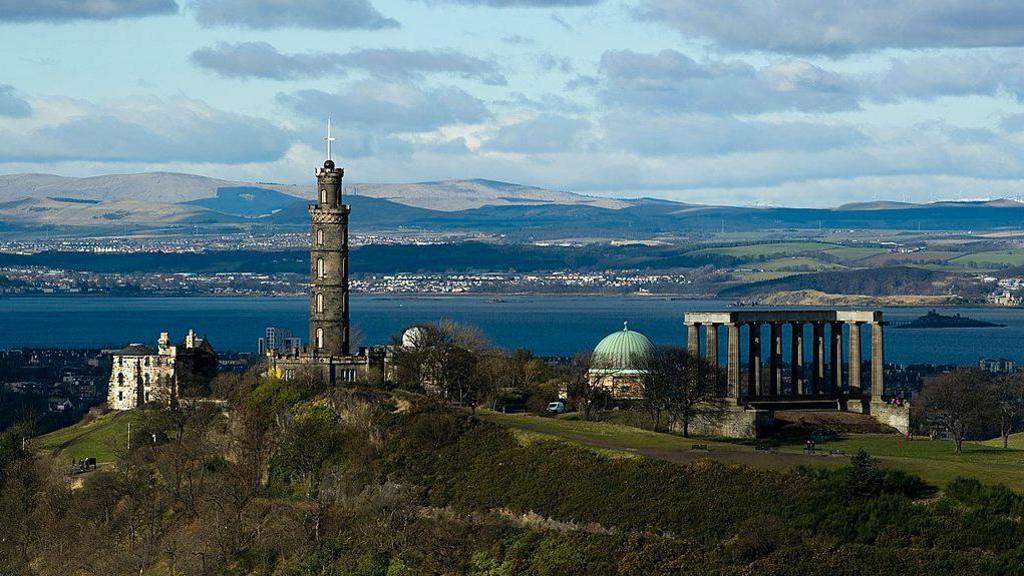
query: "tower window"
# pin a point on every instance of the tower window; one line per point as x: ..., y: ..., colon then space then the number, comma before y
x: 319, y: 302
x: 320, y: 268
x: 323, y: 196
x: 319, y: 337
x: 320, y: 237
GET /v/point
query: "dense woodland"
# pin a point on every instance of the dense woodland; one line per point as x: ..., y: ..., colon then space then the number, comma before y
x: 296, y: 479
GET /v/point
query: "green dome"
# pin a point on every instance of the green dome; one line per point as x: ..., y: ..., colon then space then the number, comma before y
x: 622, y: 350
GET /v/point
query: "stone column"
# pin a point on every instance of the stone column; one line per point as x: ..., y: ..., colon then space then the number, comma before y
x: 711, y: 344
x: 818, y: 345
x: 836, y: 372
x: 754, y: 359
x: 855, y: 361
x: 733, y: 361
x: 775, y: 360
x: 693, y: 339
x: 877, y: 362
x: 797, y: 358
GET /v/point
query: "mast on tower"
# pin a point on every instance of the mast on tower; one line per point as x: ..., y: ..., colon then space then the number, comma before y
x: 329, y: 139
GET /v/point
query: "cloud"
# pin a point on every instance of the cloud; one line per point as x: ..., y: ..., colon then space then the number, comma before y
x: 399, y: 63
x: 262, y: 60
x: 68, y: 10
x: 545, y: 133
x: 526, y: 3
x: 546, y: 102
x: 390, y: 106
x: 670, y: 80
x: 714, y: 135
x: 11, y: 105
x: 150, y: 130
x: 962, y: 74
x: 840, y: 27
x: 270, y: 14
x: 547, y: 62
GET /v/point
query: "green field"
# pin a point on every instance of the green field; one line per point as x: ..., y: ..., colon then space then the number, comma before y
x: 767, y: 250
x: 797, y: 263
x: 99, y: 438
x: 991, y: 259
x: 932, y: 460
x: 851, y: 254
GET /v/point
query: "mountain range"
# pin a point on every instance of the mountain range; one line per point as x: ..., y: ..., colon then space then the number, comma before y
x: 161, y: 200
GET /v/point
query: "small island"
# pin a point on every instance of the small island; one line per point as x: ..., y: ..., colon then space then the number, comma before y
x: 935, y: 320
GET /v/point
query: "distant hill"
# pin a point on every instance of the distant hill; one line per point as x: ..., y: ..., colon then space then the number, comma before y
x: 147, y: 187
x: 453, y: 195
x: 247, y: 201
x: 169, y: 187
x: 871, y: 282
x: 73, y: 212
x: 159, y: 199
x: 370, y: 214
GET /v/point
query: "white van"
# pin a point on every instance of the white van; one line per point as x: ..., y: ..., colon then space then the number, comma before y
x: 556, y: 407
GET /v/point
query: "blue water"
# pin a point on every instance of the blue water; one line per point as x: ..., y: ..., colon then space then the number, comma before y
x: 547, y: 325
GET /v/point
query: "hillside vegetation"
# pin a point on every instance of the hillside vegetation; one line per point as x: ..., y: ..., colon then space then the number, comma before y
x: 299, y: 481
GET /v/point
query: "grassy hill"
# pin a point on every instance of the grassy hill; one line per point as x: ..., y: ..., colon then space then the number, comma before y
x: 100, y: 437
x: 932, y: 460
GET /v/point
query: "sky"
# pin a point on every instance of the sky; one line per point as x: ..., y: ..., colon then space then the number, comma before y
x: 742, y: 102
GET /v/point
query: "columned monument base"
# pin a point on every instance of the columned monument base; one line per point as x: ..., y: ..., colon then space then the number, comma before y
x: 897, y: 417
x: 734, y: 422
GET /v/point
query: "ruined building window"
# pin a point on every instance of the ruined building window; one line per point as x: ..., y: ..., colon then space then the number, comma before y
x: 320, y: 237
x: 320, y: 268
x: 120, y: 395
x: 120, y: 379
x: 323, y: 196
x: 319, y: 302
x: 319, y: 337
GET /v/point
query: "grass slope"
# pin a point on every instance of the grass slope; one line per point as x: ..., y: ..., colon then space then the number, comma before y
x: 99, y: 438
x: 932, y: 460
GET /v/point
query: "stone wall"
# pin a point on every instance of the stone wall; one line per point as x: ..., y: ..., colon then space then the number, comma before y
x: 897, y: 417
x: 734, y: 422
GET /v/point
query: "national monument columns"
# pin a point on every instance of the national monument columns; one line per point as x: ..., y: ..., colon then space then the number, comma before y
x: 758, y: 385
x: 764, y: 379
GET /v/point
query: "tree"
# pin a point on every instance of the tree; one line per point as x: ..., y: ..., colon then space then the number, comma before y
x: 309, y: 442
x: 683, y: 386
x: 960, y: 401
x: 443, y: 358
x: 863, y: 478
x: 581, y: 385
x: 1008, y: 393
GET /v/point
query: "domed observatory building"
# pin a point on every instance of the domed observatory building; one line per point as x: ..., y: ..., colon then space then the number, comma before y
x: 619, y: 363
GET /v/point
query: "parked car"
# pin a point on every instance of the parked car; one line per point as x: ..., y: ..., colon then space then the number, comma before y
x: 556, y: 407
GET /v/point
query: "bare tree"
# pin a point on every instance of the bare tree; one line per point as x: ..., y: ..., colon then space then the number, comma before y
x: 960, y: 401
x: 682, y: 385
x: 1008, y: 393
x: 583, y: 387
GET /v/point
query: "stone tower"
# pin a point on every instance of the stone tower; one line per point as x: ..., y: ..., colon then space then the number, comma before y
x: 328, y: 259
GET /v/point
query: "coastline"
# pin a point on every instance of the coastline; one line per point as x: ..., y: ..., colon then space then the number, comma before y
x: 800, y: 298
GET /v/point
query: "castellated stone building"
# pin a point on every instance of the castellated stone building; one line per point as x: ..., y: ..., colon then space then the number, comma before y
x: 142, y: 374
x: 328, y: 354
